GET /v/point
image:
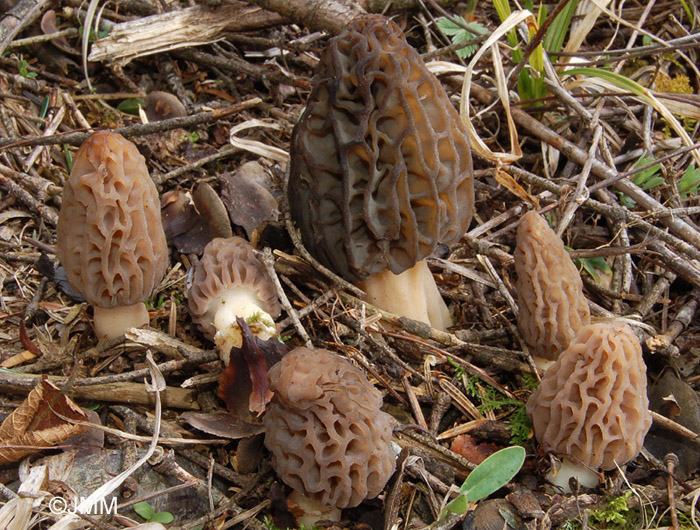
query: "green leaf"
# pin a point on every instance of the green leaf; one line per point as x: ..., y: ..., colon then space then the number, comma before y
x: 647, y: 178
x: 144, y: 509
x: 131, y: 106
x: 67, y: 153
x: 162, y: 517
x: 614, y: 78
x: 592, y: 265
x: 554, y: 40
x: 448, y: 27
x: 690, y: 181
x: 458, y: 505
x: 493, y: 473
x: 459, y: 34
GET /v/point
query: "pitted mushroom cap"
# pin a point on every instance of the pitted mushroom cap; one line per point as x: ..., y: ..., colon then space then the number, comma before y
x: 592, y: 405
x: 110, y: 236
x: 381, y: 168
x: 552, y: 308
x: 328, y: 437
x: 228, y: 263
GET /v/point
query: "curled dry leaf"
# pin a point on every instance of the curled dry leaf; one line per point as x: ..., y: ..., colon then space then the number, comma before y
x: 190, y: 224
x: 243, y: 385
x: 42, y: 420
x: 246, y: 194
x: 48, y: 26
x: 471, y: 449
x: 162, y: 106
x: 221, y: 424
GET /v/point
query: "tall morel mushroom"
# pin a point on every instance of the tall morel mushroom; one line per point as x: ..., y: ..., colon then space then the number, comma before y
x: 110, y: 236
x: 330, y: 441
x: 591, y: 406
x: 381, y: 169
x: 230, y: 282
x: 552, y: 307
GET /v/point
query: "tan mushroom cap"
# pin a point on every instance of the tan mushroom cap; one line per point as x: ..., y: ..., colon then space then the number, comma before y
x: 328, y: 437
x: 381, y: 167
x: 591, y: 405
x: 552, y: 307
x: 226, y: 264
x: 110, y: 236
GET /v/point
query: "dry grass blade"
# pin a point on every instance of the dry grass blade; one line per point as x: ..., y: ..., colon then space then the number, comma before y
x: 477, y: 144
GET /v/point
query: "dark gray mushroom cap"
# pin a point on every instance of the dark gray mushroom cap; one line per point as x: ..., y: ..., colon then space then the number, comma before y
x: 381, y: 168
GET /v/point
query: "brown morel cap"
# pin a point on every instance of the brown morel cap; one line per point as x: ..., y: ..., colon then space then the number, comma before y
x: 381, y: 168
x: 552, y: 308
x: 328, y: 437
x: 592, y: 405
x: 110, y: 236
x: 228, y: 263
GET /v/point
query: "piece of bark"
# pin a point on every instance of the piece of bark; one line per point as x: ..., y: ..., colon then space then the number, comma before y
x: 332, y: 16
x: 124, y: 392
x: 188, y: 27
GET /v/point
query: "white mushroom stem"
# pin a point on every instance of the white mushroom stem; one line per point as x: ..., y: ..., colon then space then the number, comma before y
x: 412, y: 294
x: 112, y: 322
x: 313, y: 511
x: 242, y: 303
x: 567, y: 470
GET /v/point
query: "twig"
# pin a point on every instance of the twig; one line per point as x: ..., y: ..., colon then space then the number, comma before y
x: 22, y: 15
x: 331, y: 16
x: 269, y: 261
x: 682, y: 229
x: 683, y: 319
x: 670, y: 425
x: 137, y: 129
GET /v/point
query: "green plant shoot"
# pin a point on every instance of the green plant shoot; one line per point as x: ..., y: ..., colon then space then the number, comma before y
x: 146, y: 511
x: 489, y: 476
x: 690, y: 181
x: 458, y: 33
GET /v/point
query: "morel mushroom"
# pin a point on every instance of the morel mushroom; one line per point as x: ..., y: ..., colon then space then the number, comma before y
x: 229, y: 282
x: 591, y: 406
x: 330, y: 441
x: 552, y: 308
x: 110, y: 236
x: 381, y: 169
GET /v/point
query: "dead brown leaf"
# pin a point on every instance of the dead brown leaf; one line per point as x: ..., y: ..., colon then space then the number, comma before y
x: 39, y: 422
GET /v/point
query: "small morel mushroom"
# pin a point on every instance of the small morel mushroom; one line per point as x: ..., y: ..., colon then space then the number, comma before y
x: 230, y: 282
x: 110, y: 236
x: 591, y: 406
x: 381, y: 169
x: 330, y: 441
x: 552, y: 308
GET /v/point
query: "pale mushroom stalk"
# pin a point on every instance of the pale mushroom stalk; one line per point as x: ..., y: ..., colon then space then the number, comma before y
x: 380, y: 169
x: 566, y: 470
x: 243, y: 303
x: 114, y: 321
x: 230, y: 282
x: 412, y: 293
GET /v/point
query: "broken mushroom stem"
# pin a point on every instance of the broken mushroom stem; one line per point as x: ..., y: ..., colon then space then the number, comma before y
x: 412, y: 293
x: 562, y: 473
x: 235, y: 303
